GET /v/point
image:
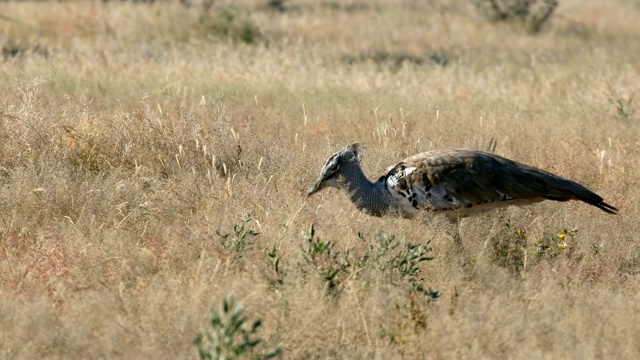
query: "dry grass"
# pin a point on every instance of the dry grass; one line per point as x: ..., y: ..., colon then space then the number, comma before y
x: 132, y: 134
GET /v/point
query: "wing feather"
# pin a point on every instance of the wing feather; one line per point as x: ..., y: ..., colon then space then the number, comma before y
x: 457, y: 179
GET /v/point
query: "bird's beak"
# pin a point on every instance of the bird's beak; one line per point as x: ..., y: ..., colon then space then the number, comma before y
x: 315, y: 188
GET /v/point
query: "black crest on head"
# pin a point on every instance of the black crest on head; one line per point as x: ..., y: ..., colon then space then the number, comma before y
x: 355, y: 149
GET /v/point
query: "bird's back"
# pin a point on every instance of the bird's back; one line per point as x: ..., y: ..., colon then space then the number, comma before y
x: 474, y: 181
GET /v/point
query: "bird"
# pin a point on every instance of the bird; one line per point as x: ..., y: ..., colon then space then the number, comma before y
x: 459, y: 183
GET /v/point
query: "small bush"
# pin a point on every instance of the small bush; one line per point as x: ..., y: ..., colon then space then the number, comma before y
x: 510, y: 250
x: 331, y: 264
x: 552, y: 246
x: 240, y: 237
x: 228, y: 338
x: 532, y: 13
x: 623, y: 106
x: 274, y: 256
x: 228, y: 22
x: 401, y: 262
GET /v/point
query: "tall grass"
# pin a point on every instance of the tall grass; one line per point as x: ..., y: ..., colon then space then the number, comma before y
x: 135, y: 138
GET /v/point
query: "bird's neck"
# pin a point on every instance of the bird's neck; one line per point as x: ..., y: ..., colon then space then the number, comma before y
x: 367, y: 196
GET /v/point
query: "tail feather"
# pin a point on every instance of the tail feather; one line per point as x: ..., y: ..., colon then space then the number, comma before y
x: 606, y: 207
x: 563, y: 189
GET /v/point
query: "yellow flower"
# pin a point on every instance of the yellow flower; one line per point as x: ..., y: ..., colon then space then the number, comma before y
x: 562, y: 236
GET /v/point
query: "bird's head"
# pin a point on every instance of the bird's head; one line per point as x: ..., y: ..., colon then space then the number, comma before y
x: 331, y: 174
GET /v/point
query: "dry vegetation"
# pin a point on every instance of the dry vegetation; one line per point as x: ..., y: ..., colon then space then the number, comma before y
x: 135, y: 137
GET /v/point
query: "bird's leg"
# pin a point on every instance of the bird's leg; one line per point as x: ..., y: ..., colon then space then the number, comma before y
x: 463, y: 256
x: 455, y: 219
x: 457, y: 239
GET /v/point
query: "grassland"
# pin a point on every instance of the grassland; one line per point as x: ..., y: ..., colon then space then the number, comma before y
x: 136, y: 138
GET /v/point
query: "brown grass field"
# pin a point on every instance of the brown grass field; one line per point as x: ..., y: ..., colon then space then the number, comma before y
x: 136, y: 139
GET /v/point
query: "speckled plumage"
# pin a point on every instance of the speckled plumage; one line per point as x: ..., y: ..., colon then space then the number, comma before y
x: 459, y: 182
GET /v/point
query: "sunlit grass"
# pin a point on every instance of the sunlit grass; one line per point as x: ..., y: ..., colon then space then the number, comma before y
x: 136, y: 139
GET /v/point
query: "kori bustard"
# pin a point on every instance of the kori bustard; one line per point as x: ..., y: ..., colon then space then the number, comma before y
x: 460, y: 183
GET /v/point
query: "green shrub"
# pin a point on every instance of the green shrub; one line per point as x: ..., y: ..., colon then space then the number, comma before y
x: 228, y: 22
x: 399, y: 261
x: 228, y: 338
x: 509, y: 251
x: 554, y: 245
x: 240, y: 237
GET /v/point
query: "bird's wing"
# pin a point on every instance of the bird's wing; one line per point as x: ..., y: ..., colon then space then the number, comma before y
x: 437, y: 181
x: 456, y: 179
